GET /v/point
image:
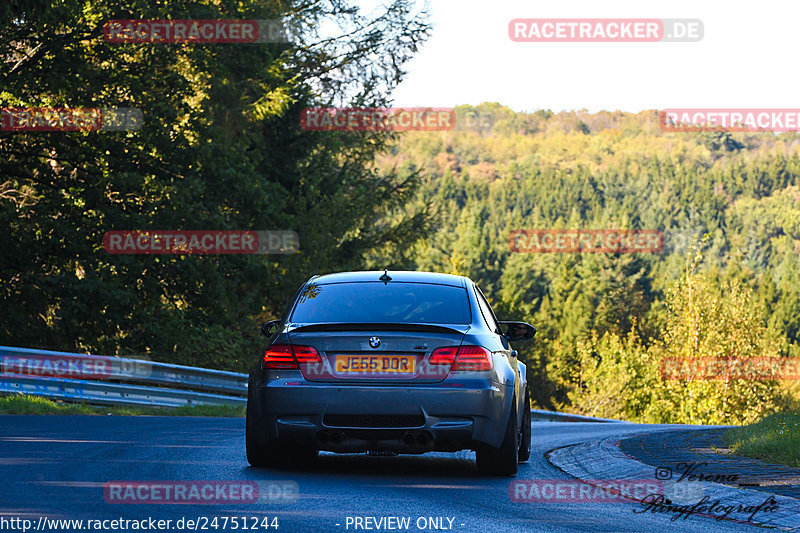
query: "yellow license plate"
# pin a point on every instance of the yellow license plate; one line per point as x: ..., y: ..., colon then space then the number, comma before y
x: 375, y: 364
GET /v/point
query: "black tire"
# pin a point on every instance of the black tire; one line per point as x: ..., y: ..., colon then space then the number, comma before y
x: 501, y: 461
x: 260, y: 450
x: 525, y: 430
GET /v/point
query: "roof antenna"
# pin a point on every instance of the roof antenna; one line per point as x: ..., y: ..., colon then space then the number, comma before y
x: 385, y: 278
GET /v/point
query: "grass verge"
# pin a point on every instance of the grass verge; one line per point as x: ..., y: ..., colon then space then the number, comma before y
x: 22, y: 404
x: 775, y: 439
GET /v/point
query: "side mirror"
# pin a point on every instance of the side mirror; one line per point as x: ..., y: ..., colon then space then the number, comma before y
x: 266, y: 329
x: 518, y: 331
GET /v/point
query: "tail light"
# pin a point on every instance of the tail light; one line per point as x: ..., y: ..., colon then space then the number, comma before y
x: 443, y: 356
x: 470, y: 358
x: 473, y: 358
x: 287, y: 357
x: 306, y: 355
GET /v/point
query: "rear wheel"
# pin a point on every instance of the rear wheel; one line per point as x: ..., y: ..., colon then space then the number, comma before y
x: 260, y: 450
x: 525, y: 430
x: 501, y: 461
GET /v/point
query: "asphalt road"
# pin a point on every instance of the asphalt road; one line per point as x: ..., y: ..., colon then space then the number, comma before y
x: 59, y: 467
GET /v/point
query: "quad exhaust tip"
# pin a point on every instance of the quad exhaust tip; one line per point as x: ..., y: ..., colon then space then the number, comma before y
x: 419, y: 438
x: 410, y: 438
x: 334, y: 437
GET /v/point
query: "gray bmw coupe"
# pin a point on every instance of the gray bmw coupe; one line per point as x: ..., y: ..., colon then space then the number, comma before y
x: 386, y: 363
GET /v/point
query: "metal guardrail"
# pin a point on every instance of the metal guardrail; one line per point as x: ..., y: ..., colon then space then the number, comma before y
x: 106, y: 380
x: 553, y: 416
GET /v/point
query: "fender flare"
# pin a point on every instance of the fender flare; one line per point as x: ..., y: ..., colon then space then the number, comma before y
x: 522, y: 370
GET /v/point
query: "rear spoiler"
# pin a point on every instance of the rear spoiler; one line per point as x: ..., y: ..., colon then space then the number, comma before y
x: 378, y: 326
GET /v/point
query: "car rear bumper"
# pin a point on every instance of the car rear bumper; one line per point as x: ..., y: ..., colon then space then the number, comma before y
x: 454, y: 414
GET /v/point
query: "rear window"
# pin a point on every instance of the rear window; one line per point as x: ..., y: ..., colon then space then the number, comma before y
x: 376, y: 302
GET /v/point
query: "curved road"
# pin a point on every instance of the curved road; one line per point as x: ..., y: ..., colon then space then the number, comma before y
x: 57, y: 467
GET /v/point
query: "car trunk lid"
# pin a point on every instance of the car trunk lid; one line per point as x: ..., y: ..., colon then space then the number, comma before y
x: 375, y: 353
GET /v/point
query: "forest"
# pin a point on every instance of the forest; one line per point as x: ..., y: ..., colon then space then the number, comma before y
x: 222, y: 147
x: 725, y: 285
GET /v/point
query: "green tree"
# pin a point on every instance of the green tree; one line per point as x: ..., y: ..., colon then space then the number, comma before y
x: 713, y: 318
x: 221, y: 148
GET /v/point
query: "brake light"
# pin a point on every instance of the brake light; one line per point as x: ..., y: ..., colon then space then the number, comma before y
x: 306, y: 355
x: 286, y: 357
x: 279, y: 356
x: 469, y: 358
x: 443, y: 356
x: 475, y: 358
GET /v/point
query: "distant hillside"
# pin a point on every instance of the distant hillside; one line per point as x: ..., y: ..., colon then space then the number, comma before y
x: 499, y: 171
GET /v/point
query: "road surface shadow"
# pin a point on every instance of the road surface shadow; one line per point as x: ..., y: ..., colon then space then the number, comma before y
x: 431, y: 465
